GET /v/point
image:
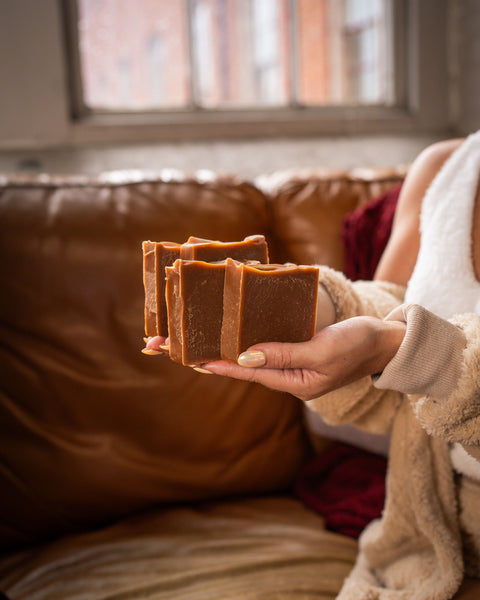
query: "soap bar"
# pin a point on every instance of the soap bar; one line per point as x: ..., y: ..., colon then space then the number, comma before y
x: 195, y: 306
x: 267, y: 303
x: 253, y: 247
x: 156, y: 256
x: 159, y: 255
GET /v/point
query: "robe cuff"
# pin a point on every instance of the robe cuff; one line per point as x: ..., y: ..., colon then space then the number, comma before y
x: 429, y: 360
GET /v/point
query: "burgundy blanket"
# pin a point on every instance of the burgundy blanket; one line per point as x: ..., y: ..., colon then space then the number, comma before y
x: 346, y: 485
x: 365, y: 234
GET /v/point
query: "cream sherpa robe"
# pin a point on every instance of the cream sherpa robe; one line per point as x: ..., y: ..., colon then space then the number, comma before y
x: 427, y: 398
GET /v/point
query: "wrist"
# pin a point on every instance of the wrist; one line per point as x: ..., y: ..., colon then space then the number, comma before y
x: 326, y: 312
x: 389, y: 338
x: 432, y: 344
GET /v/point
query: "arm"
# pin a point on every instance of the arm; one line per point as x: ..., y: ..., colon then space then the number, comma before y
x: 446, y: 397
x: 437, y: 364
x: 362, y: 404
x: 333, y: 370
x: 348, y: 352
x: 400, y: 254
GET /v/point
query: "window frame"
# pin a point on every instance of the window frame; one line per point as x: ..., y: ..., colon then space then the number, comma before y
x: 417, y: 88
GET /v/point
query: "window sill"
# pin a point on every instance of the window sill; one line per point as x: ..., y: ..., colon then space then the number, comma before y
x: 237, y: 124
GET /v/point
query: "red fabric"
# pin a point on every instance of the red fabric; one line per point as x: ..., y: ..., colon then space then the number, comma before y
x: 346, y: 485
x: 365, y: 233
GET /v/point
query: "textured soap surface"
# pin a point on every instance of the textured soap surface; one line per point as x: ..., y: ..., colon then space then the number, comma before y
x: 253, y: 247
x: 195, y: 308
x: 267, y: 303
x: 156, y: 257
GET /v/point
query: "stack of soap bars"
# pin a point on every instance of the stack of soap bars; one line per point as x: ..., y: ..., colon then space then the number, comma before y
x: 215, y: 299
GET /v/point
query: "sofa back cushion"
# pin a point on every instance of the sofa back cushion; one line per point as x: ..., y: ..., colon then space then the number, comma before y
x: 90, y: 428
x: 308, y: 209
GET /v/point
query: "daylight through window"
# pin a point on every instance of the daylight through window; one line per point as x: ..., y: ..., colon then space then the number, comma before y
x: 146, y: 55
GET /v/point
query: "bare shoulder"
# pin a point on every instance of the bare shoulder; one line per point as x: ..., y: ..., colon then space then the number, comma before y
x: 424, y: 169
x: 400, y: 255
x: 419, y: 178
x: 434, y: 156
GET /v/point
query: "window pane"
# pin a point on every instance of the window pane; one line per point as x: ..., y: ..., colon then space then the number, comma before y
x: 240, y: 50
x: 133, y: 54
x: 343, y: 51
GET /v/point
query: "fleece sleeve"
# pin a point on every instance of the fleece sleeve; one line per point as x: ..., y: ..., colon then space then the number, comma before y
x: 356, y: 298
x: 438, y: 364
x: 359, y: 403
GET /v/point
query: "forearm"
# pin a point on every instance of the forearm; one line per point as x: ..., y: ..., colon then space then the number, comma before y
x: 359, y: 298
x: 355, y: 400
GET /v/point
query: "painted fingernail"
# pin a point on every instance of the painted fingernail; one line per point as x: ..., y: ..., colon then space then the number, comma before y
x: 164, y: 347
x: 200, y: 370
x: 254, y: 358
x: 150, y: 352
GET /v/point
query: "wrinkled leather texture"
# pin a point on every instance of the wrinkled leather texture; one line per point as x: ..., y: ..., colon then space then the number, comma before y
x: 92, y: 429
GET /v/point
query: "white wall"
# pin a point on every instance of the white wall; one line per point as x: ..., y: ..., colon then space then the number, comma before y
x: 33, y: 106
x: 466, y: 57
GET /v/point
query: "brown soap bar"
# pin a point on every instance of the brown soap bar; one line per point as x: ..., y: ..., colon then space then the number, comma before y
x: 156, y: 256
x: 195, y: 307
x: 253, y: 247
x: 267, y: 303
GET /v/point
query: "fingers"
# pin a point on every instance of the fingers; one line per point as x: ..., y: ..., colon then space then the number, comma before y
x: 275, y: 355
x: 281, y: 380
x: 289, y: 368
x: 229, y: 369
x: 156, y: 345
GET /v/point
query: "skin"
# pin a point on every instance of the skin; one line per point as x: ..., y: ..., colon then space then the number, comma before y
x: 342, y: 352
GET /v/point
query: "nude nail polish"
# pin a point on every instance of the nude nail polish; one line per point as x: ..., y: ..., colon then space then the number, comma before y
x: 253, y: 358
x: 200, y: 370
x: 150, y: 352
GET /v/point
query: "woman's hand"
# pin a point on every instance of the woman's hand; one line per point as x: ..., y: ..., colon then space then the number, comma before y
x: 334, y: 357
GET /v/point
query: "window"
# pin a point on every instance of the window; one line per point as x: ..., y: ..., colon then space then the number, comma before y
x: 217, y: 54
x: 198, y: 68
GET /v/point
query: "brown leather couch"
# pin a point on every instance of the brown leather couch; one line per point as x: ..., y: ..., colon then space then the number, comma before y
x: 129, y: 476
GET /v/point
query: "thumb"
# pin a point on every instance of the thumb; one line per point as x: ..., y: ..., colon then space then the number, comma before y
x: 276, y: 355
